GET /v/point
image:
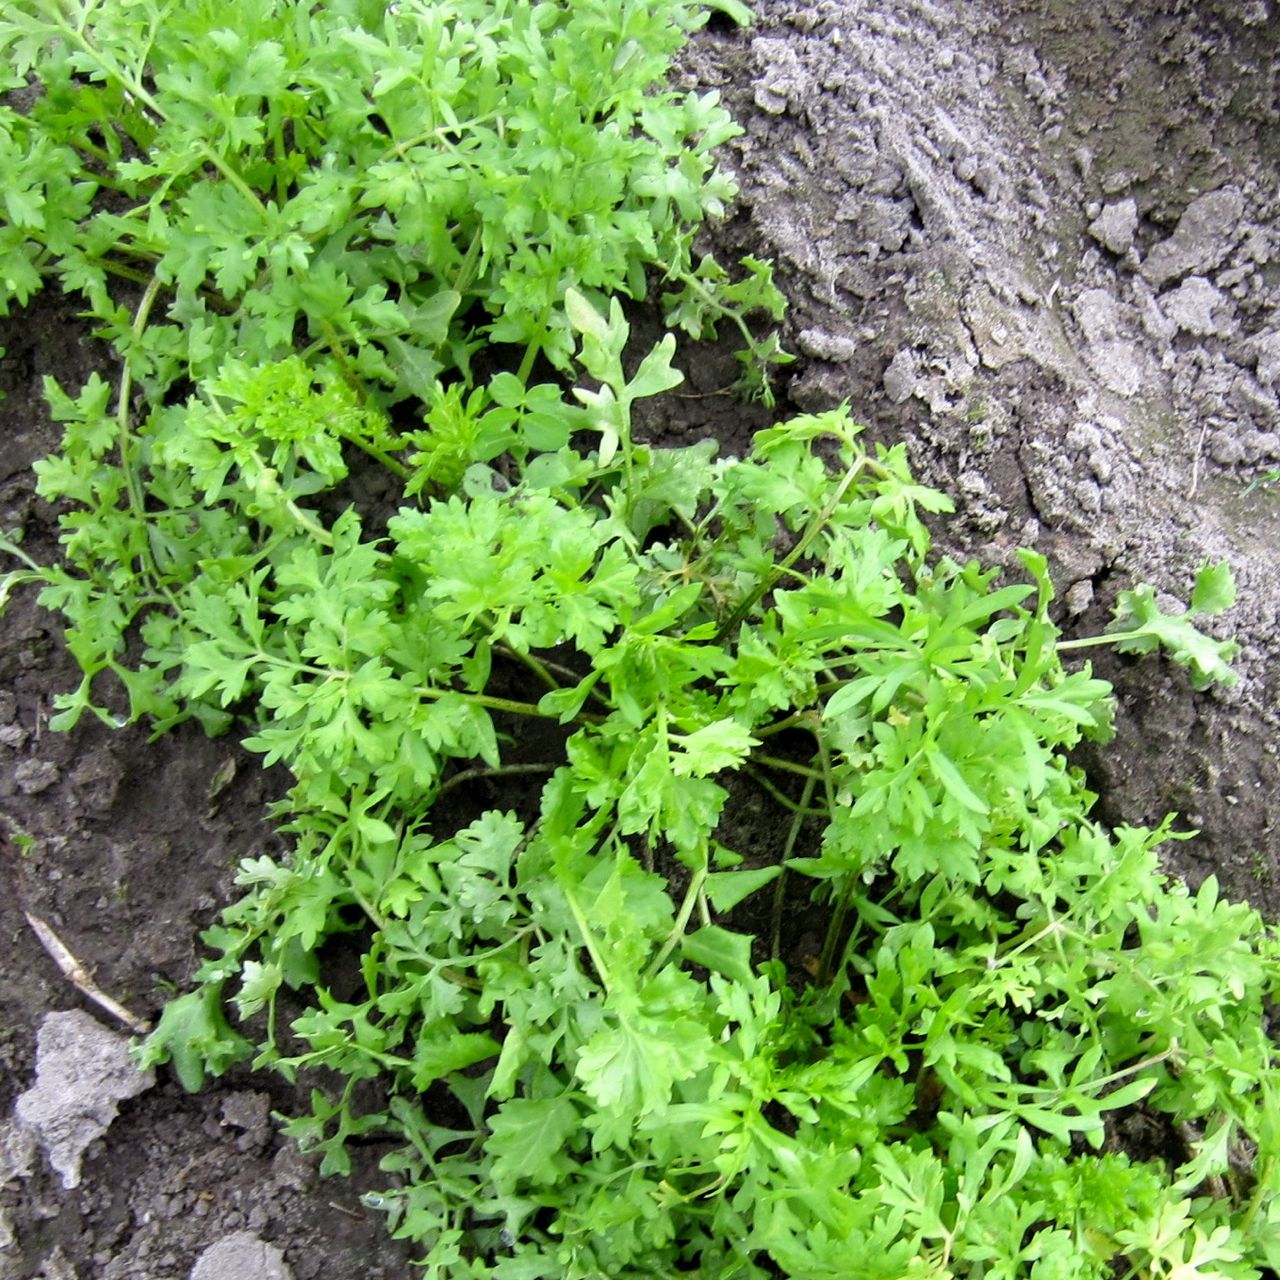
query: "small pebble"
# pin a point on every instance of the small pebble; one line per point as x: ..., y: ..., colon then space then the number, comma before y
x: 34, y: 776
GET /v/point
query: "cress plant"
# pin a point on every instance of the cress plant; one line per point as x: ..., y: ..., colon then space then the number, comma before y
x: 306, y: 230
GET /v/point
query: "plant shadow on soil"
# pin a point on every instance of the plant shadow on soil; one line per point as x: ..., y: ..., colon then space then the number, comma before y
x: 128, y: 848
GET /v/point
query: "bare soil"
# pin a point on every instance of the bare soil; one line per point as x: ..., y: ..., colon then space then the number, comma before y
x: 1039, y: 240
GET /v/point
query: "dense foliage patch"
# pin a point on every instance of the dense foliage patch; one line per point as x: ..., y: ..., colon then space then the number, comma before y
x: 311, y: 234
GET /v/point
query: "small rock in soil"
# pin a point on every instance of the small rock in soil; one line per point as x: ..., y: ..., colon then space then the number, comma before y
x: 900, y: 377
x: 1225, y: 449
x: 827, y: 346
x: 1115, y: 225
x: 83, y: 1073
x: 241, y: 1256
x: 248, y: 1110
x: 17, y: 1151
x: 56, y: 1267
x: 1197, y: 307
x: 34, y: 776
x: 96, y: 780
x: 1267, y: 346
x: 1202, y: 239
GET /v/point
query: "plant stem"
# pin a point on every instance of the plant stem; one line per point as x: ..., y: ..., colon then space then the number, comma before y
x: 788, y: 849
x: 396, y: 467
x: 834, y: 930
x: 815, y: 526
x: 485, y: 700
x: 808, y: 718
x: 787, y: 766
x: 502, y: 771
x: 125, y: 434
x: 1259, y: 1190
x: 782, y: 798
x: 535, y: 665
x: 1087, y: 642
x: 691, y: 895
x: 588, y: 938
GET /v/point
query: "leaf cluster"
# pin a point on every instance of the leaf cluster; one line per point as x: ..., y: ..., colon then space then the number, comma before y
x: 395, y: 187
x: 594, y: 1067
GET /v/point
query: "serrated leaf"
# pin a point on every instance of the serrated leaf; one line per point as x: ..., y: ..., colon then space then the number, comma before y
x: 1215, y: 589
x: 441, y: 1051
x: 527, y: 1139
x: 726, y: 889
x: 720, y: 745
x: 721, y: 951
x: 193, y: 1034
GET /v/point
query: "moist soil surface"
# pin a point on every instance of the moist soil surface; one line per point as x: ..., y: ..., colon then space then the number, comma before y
x: 1038, y: 240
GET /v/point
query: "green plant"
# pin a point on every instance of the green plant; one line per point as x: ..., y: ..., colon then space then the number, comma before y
x: 1263, y: 481
x: 389, y: 188
x: 616, y: 1080
x: 574, y: 1010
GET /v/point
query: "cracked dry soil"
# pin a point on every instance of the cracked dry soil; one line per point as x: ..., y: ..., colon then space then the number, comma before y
x: 1037, y: 239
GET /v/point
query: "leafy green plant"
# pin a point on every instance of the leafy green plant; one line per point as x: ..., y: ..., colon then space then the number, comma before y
x: 390, y: 188
x: 576, y: 1012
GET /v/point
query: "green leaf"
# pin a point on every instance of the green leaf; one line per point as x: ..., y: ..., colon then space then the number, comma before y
x: 726, y: 889
x: 719, y: 950
x: 528, y: 1137
x: 584, y: 317
x: 438, y: 1054
x: 723, y: 744
x: 193, y: 1034
x: 1141, y: 626
x: 1215, y: 589
x: 655, y: 373
x: 947, y: 773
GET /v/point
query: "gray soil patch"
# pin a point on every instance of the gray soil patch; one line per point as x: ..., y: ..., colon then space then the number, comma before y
x: 1037, y: 240
x: 1040, y: 242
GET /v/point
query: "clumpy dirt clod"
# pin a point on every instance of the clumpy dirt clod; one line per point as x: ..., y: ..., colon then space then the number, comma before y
x: 83, y: 1073
x: 1038, y: 240
x: 241, y: 1256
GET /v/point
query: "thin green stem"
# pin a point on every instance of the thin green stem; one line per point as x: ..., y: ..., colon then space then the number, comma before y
x: 787, y: 766
x: 483, y: 774
x: 534, y: 348
x: 828, y: 784
x: 788, y: 850
x: 834, y: 929
x: 393, y: 465
x: 485, y: 700
x: 11, y: 548
x: 123, y: 430
x: 234, y: 178
x: 782, y: 798
x: 815, y: 526
x: 1089, y: 642
x: 808, y: 719
x: 712, y: 303
x: 131, y: 83
x: 1259, y: 1191
x: 588, y: 938
x: 496, y: 704
x: 691, y: 895
x: 532, y: 664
